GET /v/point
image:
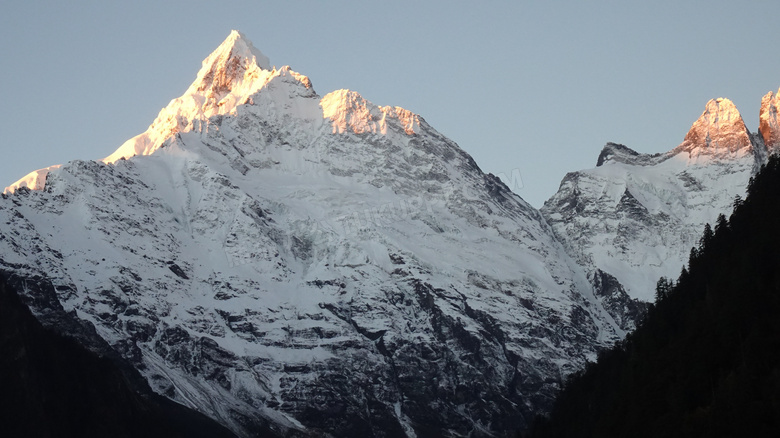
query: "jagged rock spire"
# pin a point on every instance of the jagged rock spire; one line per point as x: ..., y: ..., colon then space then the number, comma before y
x: 768, y: 124
x: 720, y: 130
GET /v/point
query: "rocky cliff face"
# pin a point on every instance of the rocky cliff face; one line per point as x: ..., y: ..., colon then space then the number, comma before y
x: 635, y: 216
x: 310, y: 265
x: 768, y: 124
x: 719, y: 132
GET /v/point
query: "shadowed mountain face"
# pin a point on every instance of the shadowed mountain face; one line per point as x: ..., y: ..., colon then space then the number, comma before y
x: 53, y: 387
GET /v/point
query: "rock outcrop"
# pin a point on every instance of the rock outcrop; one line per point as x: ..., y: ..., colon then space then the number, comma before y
x: 768, y: 127
x: 718, y: 132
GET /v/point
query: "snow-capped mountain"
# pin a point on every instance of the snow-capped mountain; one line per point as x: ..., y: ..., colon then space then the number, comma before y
x: 635, y: 217
x: 309, y: 264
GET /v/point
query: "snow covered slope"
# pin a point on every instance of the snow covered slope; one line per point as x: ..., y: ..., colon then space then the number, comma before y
x: 635, y: 217
x: 278, y: 259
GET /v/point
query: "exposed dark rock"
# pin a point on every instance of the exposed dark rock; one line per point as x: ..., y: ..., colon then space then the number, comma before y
x: 176, y: 269
x: 626, y: 311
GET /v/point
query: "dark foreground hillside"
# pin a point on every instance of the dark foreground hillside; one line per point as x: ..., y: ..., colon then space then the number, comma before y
x: 706, y: 360
x: 50, y: 386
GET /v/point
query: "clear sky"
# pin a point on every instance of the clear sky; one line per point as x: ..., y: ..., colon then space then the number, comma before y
x: 533, y: 89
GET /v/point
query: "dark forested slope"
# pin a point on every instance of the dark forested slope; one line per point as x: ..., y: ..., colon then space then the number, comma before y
x: 704, y: 362
x: 50, y: 386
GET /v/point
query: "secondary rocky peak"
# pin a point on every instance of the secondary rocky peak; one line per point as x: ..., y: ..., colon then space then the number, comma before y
x: 768, y: 125
x: 349, y: 111
x: 618, y: 153
x: 719, y: 131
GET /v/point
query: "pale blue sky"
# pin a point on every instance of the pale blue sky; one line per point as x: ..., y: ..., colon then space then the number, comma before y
x: 535, y: 88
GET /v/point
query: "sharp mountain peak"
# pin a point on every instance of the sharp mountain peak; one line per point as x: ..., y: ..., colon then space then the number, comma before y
x: 237, y: 74
x: 228, y: 78
x: 719, y: 131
